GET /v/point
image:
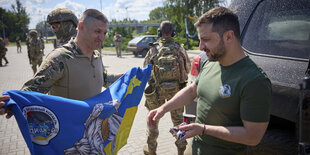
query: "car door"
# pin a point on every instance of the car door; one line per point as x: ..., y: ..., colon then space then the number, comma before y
x: 277, y: 38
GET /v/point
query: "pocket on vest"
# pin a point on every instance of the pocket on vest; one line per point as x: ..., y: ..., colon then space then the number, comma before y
x: 169, y: 87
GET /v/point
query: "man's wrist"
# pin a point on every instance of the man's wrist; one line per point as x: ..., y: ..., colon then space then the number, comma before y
x: 164, y: 109
x: 203, y: 130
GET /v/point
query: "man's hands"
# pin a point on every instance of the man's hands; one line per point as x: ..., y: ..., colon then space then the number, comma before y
x: 191, y: 130
x: 154, y: 116
x: 7, y: 110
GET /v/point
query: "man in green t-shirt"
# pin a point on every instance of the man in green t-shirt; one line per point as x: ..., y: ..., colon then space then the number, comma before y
x: 234, y: 94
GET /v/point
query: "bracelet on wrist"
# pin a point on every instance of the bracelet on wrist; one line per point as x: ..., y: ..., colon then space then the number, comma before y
x: 204, y: 129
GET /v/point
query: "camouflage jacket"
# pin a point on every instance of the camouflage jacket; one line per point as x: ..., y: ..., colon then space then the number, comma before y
x: 166, y: 42
x: 34, y: 48
x: 27, y: 42
x: 2, y: 44
x: 18, y: 41
x: 2, y: 47
x: 67, y: 72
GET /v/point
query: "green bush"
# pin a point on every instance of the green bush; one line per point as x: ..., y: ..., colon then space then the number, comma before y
x: 125, y: 43
x: 192, y: 43
x: 108, y: 42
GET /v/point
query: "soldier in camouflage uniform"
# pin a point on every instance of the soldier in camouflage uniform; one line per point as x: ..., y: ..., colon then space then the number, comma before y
x: 170, y: 68
x: 3, y: 51
x: 76, y: 70
x: 35, y: 48
x: 118, y: 44
x: 19, y: 47
x: 63, y: 23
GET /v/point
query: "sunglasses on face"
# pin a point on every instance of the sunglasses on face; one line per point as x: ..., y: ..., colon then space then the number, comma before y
x: 55, y: 26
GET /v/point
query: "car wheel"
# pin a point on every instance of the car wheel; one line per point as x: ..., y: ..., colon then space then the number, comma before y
x: 144, y: 52
x: 135, y: 53
x: 275, y: 142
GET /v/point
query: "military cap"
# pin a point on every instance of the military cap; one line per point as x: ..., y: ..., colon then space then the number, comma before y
x: 61, y: 15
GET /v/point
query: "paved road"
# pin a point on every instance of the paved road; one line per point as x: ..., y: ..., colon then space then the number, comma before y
x: 19, y: 70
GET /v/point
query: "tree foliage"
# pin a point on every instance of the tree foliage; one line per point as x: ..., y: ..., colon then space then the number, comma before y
x: 175, y: 11
x: 14, y: 22
x: 18, y: 9
x: 156, y: 15
x: 43, y: 29
x: 126, y: 32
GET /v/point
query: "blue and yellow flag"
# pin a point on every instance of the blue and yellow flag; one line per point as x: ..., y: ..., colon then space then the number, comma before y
x: 98, y: 125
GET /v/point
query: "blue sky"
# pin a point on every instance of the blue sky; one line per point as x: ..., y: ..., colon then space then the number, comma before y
x: 113, y: 9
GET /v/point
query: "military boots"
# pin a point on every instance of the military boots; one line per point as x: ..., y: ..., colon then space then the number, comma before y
x: 148, y: 151
x: 181, y: 151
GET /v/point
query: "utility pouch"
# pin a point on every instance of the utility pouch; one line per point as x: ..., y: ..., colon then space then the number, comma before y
x: 151, y: 98
x: 169, y: 87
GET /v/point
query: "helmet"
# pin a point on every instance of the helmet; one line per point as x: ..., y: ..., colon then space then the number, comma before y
x: 61, y: 15
x: 33, y: 33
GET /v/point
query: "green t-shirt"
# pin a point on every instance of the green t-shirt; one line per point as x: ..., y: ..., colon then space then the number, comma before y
x: 226, y: 96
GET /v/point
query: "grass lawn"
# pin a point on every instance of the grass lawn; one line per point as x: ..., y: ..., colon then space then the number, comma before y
x: 195, y: 48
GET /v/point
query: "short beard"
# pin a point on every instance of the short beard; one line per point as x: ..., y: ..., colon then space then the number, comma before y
x: 219, y: 52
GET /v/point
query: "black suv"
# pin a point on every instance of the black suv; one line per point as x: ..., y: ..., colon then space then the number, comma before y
x: 276, y: 35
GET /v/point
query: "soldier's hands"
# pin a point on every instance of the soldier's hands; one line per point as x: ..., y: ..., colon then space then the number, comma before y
x: 2, y: 99
x: 191, y: 130
x: 155, y: 115
x: 7, y: 110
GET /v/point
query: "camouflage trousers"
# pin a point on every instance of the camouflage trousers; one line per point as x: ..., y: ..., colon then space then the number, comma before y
x: 154, y: 99
x: 19, y: 48
x: 118, y: 48
x: 35, y: 62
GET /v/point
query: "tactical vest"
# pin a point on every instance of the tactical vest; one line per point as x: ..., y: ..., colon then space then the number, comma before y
x: 168, y: 65
x: 35, y: 46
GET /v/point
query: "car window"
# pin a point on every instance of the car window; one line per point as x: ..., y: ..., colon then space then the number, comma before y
x: 144, y: 40
x: 243, y: 9
x: 148, y: 40
x: 136, y: 40
x: 151, y: 39
x: 281, y: 28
